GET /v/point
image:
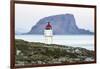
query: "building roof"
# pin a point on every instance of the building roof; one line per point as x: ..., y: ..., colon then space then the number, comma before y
x: 48, y: 26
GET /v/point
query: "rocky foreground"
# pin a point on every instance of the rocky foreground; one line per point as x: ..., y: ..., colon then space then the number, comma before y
x: 40, y: 53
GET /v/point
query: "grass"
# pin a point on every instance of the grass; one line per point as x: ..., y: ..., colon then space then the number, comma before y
x: 40, y: 53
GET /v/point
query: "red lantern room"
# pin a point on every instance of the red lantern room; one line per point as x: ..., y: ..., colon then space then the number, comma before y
x: 48, y: 26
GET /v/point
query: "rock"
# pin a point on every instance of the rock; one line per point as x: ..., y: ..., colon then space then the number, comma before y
x: 62, y: 24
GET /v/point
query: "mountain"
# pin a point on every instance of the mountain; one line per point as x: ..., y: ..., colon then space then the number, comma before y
x: 62, y: 24
x: 17, y: 33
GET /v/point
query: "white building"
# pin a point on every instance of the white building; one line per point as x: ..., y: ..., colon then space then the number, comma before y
x: 48, y: 33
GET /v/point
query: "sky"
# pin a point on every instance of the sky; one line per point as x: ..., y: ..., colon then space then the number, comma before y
x: 26, y: 16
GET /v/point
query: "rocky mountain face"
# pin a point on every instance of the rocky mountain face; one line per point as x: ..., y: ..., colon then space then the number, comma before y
x: 62, y: 24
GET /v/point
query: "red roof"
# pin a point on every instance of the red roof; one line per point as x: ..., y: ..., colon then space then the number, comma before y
x: 48, y: 26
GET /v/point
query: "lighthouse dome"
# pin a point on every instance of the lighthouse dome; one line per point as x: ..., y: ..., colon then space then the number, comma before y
x: 48, y: 26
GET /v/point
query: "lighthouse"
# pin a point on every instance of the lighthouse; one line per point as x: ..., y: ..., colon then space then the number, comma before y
x: 48, y: 34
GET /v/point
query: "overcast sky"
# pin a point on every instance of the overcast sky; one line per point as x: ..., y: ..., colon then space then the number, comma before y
x: 27, y: 15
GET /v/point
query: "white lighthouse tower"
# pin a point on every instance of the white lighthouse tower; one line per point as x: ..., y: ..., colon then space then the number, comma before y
x: 48, y: 33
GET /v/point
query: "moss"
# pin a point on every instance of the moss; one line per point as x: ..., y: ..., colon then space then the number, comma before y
x: 37, y: 53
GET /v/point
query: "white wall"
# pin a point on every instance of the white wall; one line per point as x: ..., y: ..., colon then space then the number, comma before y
x: 5, y: 35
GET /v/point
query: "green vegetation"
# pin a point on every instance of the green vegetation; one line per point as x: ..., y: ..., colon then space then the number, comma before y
x: 40, y: 53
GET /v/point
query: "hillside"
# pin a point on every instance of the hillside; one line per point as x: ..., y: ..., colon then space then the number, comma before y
x: 40, y: 53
